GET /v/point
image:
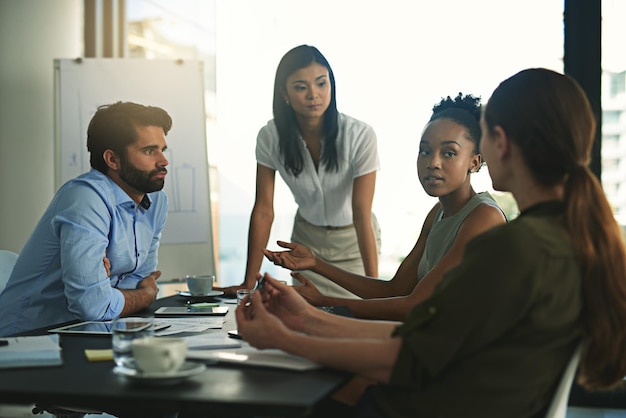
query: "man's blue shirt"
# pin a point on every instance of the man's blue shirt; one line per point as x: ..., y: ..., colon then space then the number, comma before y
x: 60, y: 275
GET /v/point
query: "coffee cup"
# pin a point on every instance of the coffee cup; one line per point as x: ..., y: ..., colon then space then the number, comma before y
x: 159, y: 354
x: 200, y: 285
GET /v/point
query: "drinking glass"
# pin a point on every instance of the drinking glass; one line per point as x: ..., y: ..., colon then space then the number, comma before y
x: 241, y: 294
x: 125, y: 330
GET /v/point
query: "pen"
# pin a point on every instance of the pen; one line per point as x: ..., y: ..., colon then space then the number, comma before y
x: 158, y: 328
x: 3, y: 343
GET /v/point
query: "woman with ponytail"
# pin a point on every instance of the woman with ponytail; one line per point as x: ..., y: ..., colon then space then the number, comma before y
x: 495, y: 336
x: 546, y: 117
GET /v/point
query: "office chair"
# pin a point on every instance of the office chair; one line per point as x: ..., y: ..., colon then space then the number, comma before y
x: 558, y: 406
x: 7, y: 261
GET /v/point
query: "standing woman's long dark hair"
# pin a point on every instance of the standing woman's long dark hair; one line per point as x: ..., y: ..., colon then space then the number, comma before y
x: 548, y: 116
x: 285, y: 118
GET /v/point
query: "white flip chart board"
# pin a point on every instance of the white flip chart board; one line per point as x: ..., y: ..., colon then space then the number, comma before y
x: 81, y: 85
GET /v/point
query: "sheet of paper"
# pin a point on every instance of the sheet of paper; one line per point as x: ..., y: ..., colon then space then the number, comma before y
x: 211, y: 341
x: 253, y: 357
x: 191, y: 324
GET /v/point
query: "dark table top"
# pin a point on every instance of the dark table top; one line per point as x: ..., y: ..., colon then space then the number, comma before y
x: 222, y: 389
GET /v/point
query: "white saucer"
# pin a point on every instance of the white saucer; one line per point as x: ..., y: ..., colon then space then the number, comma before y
x: 188, y: 369
x: 210, y: 294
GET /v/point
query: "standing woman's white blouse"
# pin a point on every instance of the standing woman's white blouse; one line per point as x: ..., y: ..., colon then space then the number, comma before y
x: 324, y: 197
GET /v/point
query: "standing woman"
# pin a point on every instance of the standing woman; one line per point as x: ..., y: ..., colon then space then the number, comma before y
x: 329, y: 161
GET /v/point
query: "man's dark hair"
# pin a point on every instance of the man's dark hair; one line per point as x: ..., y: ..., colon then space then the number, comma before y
x: 113, y: 127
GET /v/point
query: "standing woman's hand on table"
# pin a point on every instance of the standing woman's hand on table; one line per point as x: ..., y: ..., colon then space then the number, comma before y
x: 231, y: 291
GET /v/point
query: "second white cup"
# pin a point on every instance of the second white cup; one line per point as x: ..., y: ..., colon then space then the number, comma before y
x: 200, y: 285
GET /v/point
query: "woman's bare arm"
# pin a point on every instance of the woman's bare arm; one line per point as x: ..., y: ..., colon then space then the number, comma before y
x: 362, y: 198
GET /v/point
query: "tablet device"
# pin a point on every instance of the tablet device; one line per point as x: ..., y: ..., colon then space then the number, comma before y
x: 94, y: 327
x: 183, y: 310
x: 89, y: 327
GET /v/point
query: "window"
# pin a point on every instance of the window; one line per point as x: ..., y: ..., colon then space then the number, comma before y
x: 614, y: 105
x: 392, y: 61
x: 618, y: 84
x: 610, y: 117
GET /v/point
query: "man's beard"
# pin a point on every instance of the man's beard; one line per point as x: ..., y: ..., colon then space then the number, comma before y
x: 141, y: 180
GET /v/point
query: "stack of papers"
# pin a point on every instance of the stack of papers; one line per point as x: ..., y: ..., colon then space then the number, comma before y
x: 43, y: 350
x: 170, y: 326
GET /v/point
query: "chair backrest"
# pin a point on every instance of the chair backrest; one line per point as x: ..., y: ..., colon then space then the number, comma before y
x: 558, y: 406
x: 7, y: 261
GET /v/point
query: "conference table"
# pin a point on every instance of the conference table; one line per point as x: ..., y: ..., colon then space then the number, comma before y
x: 222, y: 389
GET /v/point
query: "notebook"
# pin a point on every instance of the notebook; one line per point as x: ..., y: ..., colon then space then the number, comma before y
x: 37, y: 351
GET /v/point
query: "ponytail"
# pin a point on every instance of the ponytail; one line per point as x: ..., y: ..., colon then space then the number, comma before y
x: 597, y: 239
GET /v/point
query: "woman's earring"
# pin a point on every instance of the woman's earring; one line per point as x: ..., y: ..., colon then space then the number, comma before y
x: 287, y: 101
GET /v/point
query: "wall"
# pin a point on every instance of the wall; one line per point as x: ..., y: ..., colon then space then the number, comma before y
x: 32, y: 33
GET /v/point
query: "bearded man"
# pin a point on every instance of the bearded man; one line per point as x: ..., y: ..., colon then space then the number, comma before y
x: 93, y: 254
